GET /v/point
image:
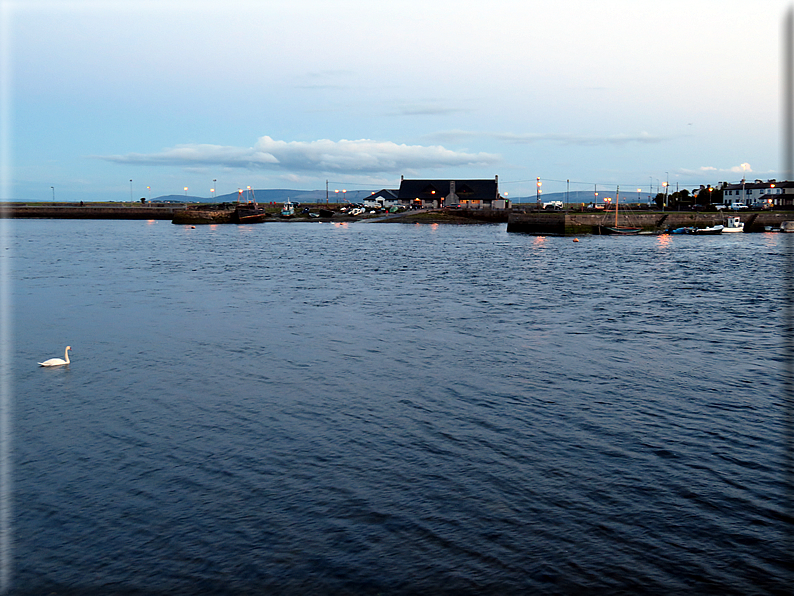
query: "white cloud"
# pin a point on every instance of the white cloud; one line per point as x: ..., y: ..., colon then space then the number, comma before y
x: 360, y: 156
x: 740, y: 169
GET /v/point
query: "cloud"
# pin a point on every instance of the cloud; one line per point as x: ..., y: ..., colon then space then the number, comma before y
x: 453, y: 136
x: 361, y: 156
x: 744, y: 168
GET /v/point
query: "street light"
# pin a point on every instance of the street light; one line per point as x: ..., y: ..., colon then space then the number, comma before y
x: 53, y: 193
x: 130, y: 190
x: 214, y: 186
x: 186, y: 192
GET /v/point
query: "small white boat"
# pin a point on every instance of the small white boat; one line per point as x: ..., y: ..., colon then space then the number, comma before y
x: 787, y: 226
x: 734, y: 225
x: 712, y: 230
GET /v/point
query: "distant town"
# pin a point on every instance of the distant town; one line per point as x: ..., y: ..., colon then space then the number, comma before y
x: 485, y: 194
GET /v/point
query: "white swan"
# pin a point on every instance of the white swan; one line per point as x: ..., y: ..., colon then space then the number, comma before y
x: 57, y: 361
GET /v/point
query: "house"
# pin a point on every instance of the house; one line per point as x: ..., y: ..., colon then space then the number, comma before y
x: 775, y: 194
x: 383, y: 198
x: 467, y: 194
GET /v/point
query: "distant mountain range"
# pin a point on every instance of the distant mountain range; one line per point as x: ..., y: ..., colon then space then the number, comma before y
x: 274, y: 195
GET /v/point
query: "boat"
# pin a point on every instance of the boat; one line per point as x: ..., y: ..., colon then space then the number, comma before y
x: 243, y: 215
x: 620, y: 230
x: 786, y: 226
x: 248, y: 212
x: 735, y: 224
x: 709, y: 231
x: 288, y: 210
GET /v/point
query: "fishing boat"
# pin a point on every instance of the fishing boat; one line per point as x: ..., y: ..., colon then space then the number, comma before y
x: 617, y: 229
x: 288, y: 209
x: 787, y: 226
x: 248, y: 212
x: 734, y: 225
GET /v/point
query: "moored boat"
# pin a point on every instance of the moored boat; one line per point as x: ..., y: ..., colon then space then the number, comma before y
x: 735, y: 224
x: 248, y: 215
x: 618, y: 229
x: 288, y: 209
x: 248, y: 212
x: 713, y: 230
x: 787, y: 226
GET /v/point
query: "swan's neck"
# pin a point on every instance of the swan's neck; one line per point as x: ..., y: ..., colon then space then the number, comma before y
x: 66, y: 355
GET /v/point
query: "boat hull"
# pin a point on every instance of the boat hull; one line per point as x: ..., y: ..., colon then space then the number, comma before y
x: 712, y: 231
x: 620, y: 230
x: 249, y: 216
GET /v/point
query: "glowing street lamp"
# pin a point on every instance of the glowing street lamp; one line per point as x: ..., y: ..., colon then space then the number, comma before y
x: 186, y: 192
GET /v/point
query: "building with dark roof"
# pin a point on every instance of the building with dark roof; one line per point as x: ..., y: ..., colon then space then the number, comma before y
x: 468, y: 194
x: 775, y: 194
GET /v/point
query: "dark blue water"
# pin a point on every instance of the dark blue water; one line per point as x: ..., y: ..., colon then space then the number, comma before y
x: 391, y: 409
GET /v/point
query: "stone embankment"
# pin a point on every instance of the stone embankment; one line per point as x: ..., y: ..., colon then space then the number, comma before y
x: 75, y: 211
x: 574, y: 222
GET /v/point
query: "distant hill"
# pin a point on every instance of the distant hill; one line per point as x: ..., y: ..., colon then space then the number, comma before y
x: 277, y: 195
x: 581, y: 196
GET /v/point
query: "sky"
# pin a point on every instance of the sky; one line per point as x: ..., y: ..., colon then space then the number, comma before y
x: 117, y: 100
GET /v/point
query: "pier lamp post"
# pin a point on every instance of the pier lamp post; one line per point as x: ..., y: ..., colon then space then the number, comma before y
x: 336, y: 194
x: 149, y: 192
x: 53, y: 193
x: 186, y: 192
x: 214, y: 186
x: 344, y: 195
x: 130, y: 190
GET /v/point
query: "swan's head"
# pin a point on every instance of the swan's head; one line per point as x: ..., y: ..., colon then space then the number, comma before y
x: 68, y: 347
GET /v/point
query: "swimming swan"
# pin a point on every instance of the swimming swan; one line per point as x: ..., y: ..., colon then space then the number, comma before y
x: 57, y: 361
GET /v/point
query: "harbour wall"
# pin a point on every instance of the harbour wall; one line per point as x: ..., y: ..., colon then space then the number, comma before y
x: 572, y: 222
x: 16, y: 211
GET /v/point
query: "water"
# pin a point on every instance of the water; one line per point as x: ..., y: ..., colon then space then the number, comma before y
x: 391, y: 409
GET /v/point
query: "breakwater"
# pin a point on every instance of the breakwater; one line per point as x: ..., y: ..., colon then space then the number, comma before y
x: 74, y: 211
x: 572, y: 222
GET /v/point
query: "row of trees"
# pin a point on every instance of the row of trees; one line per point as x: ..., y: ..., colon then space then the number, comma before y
x: 683, y: 198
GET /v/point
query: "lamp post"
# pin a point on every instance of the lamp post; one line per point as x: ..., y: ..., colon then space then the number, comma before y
x: 130, y: 190
x: 53, y: 193
x: 149, y: 192
x: 214, y: 186
x: 186, y: 192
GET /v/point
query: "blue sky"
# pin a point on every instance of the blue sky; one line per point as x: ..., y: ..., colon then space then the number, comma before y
x: 272, y: 94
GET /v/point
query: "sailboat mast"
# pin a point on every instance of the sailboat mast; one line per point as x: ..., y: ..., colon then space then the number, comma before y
x: 617, y: 202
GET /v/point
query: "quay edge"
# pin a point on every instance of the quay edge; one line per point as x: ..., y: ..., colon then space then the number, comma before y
x: 568, y: 223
